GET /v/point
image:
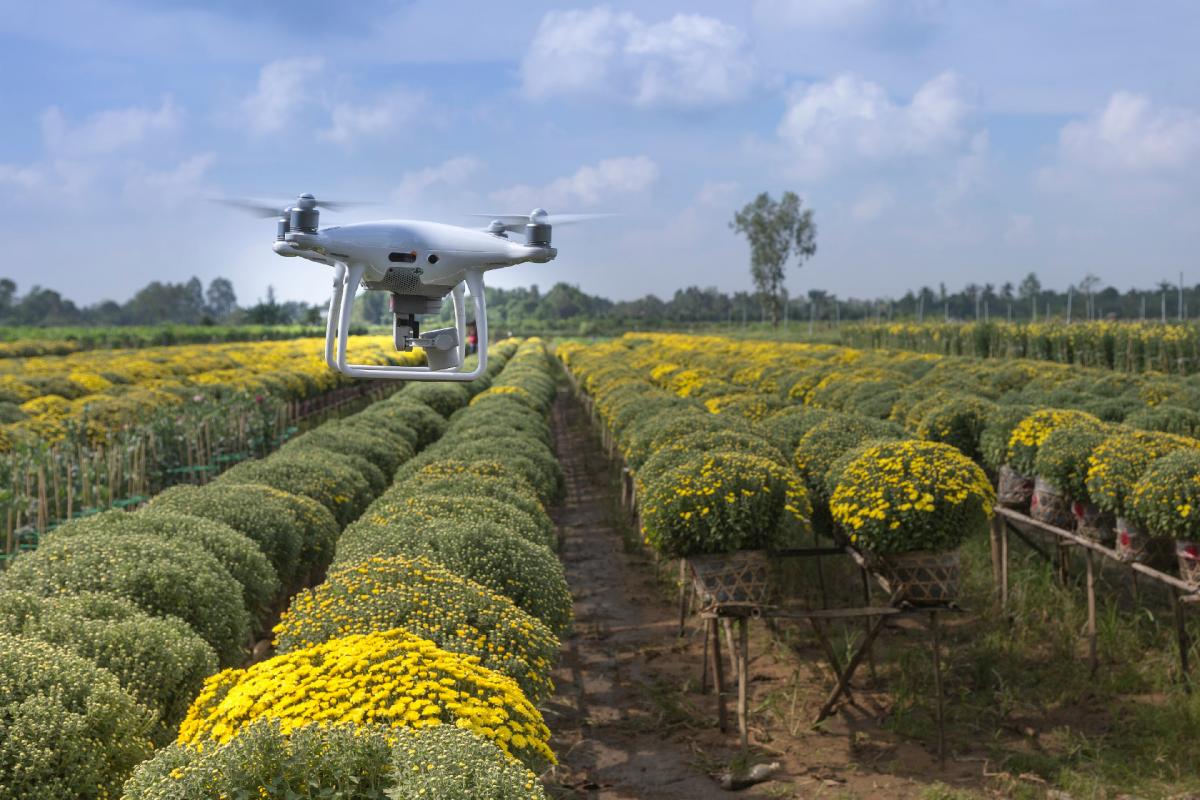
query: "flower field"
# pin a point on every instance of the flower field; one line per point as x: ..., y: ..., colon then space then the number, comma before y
x: 100, y: 429
x: 422, y: 649
x: 1172, y: 348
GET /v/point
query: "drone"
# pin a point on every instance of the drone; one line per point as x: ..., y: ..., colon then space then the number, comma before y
x: 419, y: 263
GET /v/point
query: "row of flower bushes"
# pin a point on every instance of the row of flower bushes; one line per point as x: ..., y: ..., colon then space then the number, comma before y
x: 114, y: 623
x: 425, y: 650
x: 1124, y: 346
x: 1120, y: 446
x: 26, y: 341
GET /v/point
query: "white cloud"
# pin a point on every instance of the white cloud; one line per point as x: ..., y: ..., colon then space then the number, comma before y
x: 716, y: 193
x: 829, y: 124
x: 587, y: 186
x: 452, y: 172
x: 873, y: 203
x: 688, y: 61
x: 1131, y: 135
x: 180, y: 184
x: 823, y: 15
x: 284, y: 88
x: 106, y: 131
x: 388, y: 114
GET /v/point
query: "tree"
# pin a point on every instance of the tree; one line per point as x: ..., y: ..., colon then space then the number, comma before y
x: 221, y: 300
x: 1030, y: 288
x: 776, y: 231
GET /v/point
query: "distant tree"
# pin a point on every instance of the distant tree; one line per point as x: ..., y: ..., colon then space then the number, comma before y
x: 775, y: 230
x: 8, y: 292
x: 220, y: 298
x: 1030, y: 288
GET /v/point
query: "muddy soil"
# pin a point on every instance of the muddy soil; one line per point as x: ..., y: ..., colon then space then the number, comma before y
x: 628, y: 719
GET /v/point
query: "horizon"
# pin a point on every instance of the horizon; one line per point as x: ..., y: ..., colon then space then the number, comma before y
x: 935, y: 142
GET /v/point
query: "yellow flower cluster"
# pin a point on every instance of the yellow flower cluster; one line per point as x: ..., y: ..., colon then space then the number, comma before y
x: 391, y: 678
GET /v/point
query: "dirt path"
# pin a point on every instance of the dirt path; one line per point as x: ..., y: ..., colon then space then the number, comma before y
x: 628, y: 720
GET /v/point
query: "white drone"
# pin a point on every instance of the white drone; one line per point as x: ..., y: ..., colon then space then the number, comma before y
x: 419, y: 263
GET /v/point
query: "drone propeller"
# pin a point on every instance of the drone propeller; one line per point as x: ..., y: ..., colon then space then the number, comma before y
x: 517, y: 222
x: 265, y: 209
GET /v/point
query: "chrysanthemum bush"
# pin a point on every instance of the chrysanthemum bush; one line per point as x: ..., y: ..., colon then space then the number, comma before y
x: 391, y: 678
x: 1166, y: 499
x: 1062, y: 458
x: 675, y: 452
x: 529, y: 574
x: 909, y: 495
x: 241, y: 557
x: 957, y: 421
x: 162, y: 576
x: 723, y: 501
x: 258, y: 512
x: 67, y: 728
x: 403, y: 503
x: 997, y: 430
x: 444, y: 398
x: 1030, y: 432
x: 786, y: 427
x: 160, y: 661
x: 329, y: 479
x: 428, y: 424
x: 337, y: 762
x: 1117, y: 463
x: 476, y: 478
x: 826, y: 441
x: 429, y: 601
x: 384, y: 449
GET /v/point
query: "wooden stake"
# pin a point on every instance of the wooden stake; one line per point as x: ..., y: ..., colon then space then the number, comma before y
x: 743, y: 680
x: 937, y: 687
x: 1093, y: 659
x: 1184, y: 643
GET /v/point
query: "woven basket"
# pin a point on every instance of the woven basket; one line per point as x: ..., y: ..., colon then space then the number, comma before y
x: 1188, y: 555
x: 1050, y: 506
x: 1134, y: 544
x: 1093, y: 523
x: 923, y: 578
x: 1013, y: 489
x: 742, y: 578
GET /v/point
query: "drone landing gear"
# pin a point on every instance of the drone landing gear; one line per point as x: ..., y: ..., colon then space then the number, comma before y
x: 444, y: 347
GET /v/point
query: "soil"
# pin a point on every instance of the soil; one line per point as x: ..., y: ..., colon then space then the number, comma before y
x: 628, y: 719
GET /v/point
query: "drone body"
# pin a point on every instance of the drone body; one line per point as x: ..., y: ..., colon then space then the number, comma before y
x: 419, y: 263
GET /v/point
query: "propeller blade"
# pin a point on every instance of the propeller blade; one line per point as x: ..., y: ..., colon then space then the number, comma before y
x: 571, y: 219
x: 517, y: 222
x: 344, y: 205
x: 253, y: 207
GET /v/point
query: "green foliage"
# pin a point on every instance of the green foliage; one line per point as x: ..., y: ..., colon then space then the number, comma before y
x: 67, y: 729
x: 675, y: 452
x: 377, y: 593
x: 957, y: 422
x: 329, y: 478
x: 786, y: 427
x: 1062, y: 458
x: 341, y: 762
x: 1030, y: 432
x: 384, y: 449
x: 163, y: 576
x: 775, y: 229
x: 241, y: 557
x: 722, y: 501
x: 997, y: 430
x: 1167, y: 419
x: 160, y: 661
x: 444, y: 398
x: 254, y: 511
x: 1166, y: 499
x: 827, y: 440
x: 428, y: 424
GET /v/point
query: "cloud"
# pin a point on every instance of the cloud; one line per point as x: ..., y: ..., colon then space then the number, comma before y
x: 686, y: 62
x: 716, y: 193
x: 452, y: 172
x: 172, y: 187
x: 587, y: 186
x: 388, y: 114
x: 106, y: 131
x: 847, y: 119
x: 284, y: 88
x: 873, y: 203
x: 841, y: 14
x: 1131, y: 135
x: 1019, y: 230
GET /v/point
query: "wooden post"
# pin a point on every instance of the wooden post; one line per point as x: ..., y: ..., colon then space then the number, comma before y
x: 995, y: 531
x: 718, y: 670
x: 821, y: 583
x: 704, y: 659
x: 743, y: 680
x: 682, y: 595
x: 1004, y: 567
x: 866, y: 587
x: 937, y: 687
x: 1184, y: 643
x: 731, y: 643
x: 1064, y: 563
x: 1093, y: 659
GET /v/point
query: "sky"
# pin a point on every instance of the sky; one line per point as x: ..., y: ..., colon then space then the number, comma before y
x: 935, y: 141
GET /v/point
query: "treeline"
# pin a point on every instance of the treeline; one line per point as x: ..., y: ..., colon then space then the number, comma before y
x: 157, y: 303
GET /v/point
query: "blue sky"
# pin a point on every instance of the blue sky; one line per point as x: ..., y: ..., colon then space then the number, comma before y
x: 936, y: 141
